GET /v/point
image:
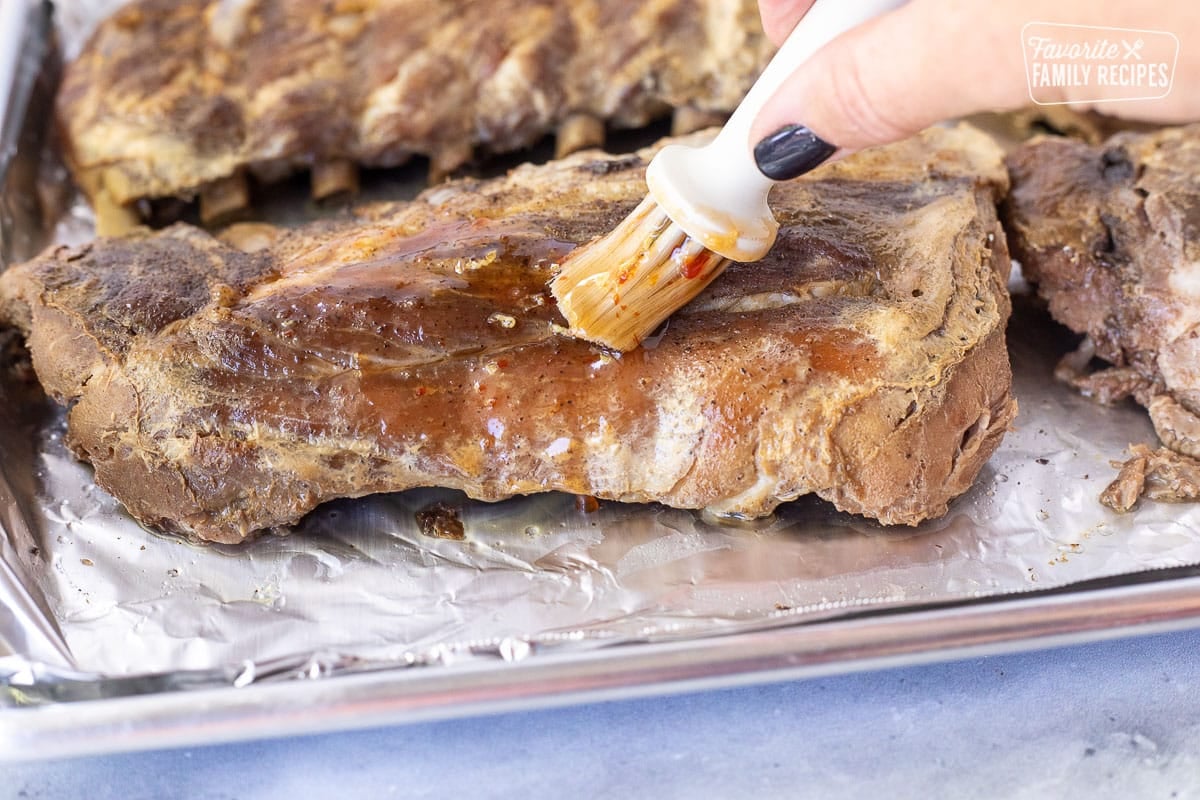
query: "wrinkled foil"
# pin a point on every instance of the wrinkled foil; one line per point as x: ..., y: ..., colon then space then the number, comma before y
x: 358, y: 584
x: 93, y: 605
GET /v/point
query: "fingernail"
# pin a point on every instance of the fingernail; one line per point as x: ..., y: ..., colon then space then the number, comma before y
x: 790, y: 152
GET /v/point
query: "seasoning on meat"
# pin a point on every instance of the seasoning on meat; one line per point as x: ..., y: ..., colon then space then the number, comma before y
x: 184, y: 97
x: 218, y: 392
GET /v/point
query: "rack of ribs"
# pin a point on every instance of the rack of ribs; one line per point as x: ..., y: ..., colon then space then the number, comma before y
x: 224, y: 386
x: 186, y: 98
x: 1111, y: 235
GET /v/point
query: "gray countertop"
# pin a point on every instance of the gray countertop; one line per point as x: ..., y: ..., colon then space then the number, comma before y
x: 1117, y: 719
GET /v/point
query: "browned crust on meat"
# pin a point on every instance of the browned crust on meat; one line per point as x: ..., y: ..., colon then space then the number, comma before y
x: 218, y: 392
x: 171, y: 95
x: 1111, y: 235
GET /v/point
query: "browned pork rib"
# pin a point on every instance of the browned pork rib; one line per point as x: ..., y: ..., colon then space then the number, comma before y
x: 172, y: 97
x: 218, y: 391
x: 1111, y: 234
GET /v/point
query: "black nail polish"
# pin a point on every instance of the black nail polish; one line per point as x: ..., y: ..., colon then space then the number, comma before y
x: 790, y: 152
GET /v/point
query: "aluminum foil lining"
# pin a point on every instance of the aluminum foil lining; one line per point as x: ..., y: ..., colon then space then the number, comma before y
x: 92, y: 604
x: 358, y: 583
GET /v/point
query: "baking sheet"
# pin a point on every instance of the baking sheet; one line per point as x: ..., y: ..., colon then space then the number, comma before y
x: 357, y: 583
x: 93, y: 606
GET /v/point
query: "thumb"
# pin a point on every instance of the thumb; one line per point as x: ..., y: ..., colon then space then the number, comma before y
x: 895, y: 75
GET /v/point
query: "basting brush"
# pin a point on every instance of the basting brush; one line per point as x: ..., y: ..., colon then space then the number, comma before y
x: 706, y: 206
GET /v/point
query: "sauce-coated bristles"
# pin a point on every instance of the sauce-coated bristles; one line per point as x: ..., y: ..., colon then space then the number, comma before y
x: 617, y: 289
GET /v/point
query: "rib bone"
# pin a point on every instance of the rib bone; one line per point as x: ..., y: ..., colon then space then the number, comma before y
x: 334, y: 178
x: 578, y: 132
x: 688, y: 119
x: 224, y: 199
x: 112, y: 218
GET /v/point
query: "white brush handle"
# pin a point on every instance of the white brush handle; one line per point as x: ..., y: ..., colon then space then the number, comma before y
x: 716, y: 193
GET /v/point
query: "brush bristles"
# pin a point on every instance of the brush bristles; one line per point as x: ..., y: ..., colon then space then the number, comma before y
x: 617, y: 289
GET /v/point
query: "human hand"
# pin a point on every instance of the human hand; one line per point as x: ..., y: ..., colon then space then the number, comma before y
x: 932, y: 60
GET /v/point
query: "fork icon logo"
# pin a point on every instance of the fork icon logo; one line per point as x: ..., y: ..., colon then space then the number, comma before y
x: 1133, y: 50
